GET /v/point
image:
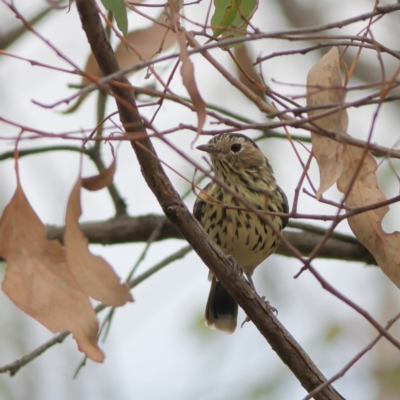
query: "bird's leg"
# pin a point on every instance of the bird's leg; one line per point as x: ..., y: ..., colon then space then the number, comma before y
x: 250, y: 279
x: 273, y: 309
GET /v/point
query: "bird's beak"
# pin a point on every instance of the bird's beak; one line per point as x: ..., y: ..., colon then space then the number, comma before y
x: 207, y: 148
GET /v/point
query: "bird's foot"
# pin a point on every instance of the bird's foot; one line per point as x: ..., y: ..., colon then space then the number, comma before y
x: 272, y: 308
x: 234, y: 263
x: 267, y: 303
x: 247, y: 319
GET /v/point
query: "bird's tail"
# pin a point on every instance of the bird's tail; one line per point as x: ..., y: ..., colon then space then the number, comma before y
x: 221, y: 308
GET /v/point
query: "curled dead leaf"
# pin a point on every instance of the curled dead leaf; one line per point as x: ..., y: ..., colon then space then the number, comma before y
x: 187, y: 73
x: 146, y: 42
x: 101, y: 180
x: 187, y: 68
x: 352, y: 168
x: 93, y: 273
x: 246, y: 72
x: 324, y: 87
x: 359, y: 183
x: 38, y: 278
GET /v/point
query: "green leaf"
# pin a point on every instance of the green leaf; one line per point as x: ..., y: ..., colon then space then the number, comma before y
x: 117, y: 7
x: 232, y: 14
x: 224, y: 15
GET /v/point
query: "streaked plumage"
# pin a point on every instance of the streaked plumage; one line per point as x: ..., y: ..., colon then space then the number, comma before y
x: 240, y: 165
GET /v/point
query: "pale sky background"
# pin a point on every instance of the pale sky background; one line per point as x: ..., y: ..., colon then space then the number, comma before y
x: 158, y: 347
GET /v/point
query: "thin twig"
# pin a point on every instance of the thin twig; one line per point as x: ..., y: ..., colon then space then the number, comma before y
x: 9, y: 155
x: 351, y: 363
x: 327, y: 286
x: 15, y: 366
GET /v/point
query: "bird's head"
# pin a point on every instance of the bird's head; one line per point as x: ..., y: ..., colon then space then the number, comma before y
x: 234, y: 151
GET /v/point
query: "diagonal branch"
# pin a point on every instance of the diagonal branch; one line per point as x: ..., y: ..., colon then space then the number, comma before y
x: 225, y: 270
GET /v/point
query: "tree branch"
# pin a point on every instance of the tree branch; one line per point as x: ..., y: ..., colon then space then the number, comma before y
x: 126, y: 229
x: 228, y: 272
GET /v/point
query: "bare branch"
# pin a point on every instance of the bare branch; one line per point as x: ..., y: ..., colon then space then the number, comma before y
x: 139, y: 229
x: 15, y: 366
x: 9, y: 155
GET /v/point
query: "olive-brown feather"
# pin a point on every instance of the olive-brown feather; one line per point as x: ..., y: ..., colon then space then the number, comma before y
x: 241, y: 172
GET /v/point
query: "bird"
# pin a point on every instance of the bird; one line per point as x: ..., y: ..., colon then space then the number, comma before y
x: 241, y: 171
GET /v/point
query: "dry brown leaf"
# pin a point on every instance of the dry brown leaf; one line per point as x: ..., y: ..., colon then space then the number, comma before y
x: 246, y: 66
x: 353, y: 168
x: 95, y: 276
x: 367, y: 227
x: 187, y: 73
x: 101, y: 180
x: 187, y: 68
x: 38, y: 279
x: 324, y: 87
x: 147, y: 43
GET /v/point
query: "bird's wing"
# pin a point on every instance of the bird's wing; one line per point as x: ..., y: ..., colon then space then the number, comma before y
x: 285, y: 206
x: 199, y: 203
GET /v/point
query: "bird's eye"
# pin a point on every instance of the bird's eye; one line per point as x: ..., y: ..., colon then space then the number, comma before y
x: 236, y: 147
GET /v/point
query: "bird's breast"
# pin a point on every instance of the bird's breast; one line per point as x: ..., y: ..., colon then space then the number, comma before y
x: 239, y: 232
